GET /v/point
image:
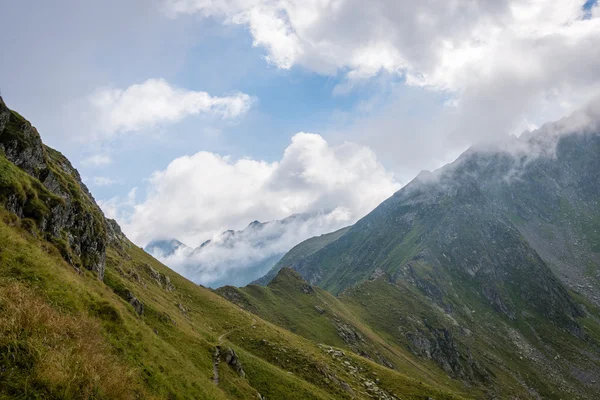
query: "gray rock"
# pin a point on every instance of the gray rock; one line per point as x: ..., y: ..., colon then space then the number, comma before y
x: 138, y: 306
x: 348, y: 334
x: 230, y: 358
x: 439, y: 345
x: 154, y: 274
x: 307, y: 289
x: 169, y: 287
x: 233, y: 360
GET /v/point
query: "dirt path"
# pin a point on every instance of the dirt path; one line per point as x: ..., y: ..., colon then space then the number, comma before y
x: 216, y: 360
x: 233, y: 330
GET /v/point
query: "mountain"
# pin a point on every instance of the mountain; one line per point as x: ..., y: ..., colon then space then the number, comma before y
x: 489, y: 267
x: 544, y: 207
x: 236, y: 257
x: 87, y: 314
x: 164, y: 247
x: 301, y: 251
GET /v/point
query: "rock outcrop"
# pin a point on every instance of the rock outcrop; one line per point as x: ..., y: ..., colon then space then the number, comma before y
x: 161, y: 280
x: 439, y: 345
x: 61, y: 206
x: 230, y: 358
x: 137, y: 305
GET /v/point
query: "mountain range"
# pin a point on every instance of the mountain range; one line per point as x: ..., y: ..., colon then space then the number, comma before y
x: 476, y: 281
x: 237, y: 257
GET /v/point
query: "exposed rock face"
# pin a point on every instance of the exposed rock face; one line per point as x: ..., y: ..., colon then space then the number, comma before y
x: 63, y: 208
x: 116, y: 237
x: 348, y: 333
x: 439, y: 345
x: 169, y: 287
x: 230, y: 358
x: 307, y: 289
x: 233, y: 294
x: 233, y: 360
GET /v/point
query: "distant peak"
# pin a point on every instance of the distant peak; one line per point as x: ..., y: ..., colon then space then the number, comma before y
x: 164, y: 247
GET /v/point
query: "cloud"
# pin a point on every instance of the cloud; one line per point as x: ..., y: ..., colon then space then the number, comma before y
x: 204, y: 194
x: 511, y: 155
x: 155, y: 102
x: 435, y: 43
x: 97, y: 160
x: 238, y: 258
x: 501, y: 66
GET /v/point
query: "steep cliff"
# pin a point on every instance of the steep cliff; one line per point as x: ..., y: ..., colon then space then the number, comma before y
x: 39, y: 184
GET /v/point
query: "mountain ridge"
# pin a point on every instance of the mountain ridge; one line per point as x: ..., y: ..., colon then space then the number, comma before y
x: 87, y: 314
x: 236, y: 257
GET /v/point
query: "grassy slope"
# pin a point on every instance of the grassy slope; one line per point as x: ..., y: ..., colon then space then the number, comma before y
x: 325, y: 319
x: 518, y: 355
x: 166, y: 352
x: 527, y: 353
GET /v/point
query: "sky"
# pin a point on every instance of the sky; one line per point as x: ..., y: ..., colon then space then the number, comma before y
x: 186, y: 118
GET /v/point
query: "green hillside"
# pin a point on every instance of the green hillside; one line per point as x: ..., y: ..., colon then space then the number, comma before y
x: 396, y: 326
x: 87, y: 314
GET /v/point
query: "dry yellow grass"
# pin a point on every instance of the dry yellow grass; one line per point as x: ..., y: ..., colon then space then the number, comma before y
x: 64, y: 356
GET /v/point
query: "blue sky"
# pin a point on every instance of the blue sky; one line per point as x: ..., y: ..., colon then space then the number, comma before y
x: 388, y: 90
x: 205, y: 56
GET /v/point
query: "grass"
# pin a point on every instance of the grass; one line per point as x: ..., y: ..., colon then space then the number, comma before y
x: 284, y: 303
x: 48, y: 354
x: 385, y: 314
x: 165, y: 353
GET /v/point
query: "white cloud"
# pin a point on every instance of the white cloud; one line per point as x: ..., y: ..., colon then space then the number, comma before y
x: 505, y: 65
x: 97, y: 160
x: 156, y: 102
x: 204, y: 194
x: 435, y: 42
x: 200, y: 196
x: 243, y: 256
